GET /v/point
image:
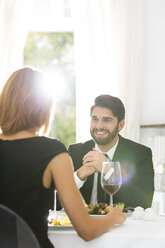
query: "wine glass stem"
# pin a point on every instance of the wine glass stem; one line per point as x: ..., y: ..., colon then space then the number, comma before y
x: 111, y: 201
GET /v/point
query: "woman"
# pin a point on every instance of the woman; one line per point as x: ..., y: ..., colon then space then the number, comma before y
x: 32, y: 165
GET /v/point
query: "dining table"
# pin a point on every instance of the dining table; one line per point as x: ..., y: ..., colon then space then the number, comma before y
x: 133, y: 233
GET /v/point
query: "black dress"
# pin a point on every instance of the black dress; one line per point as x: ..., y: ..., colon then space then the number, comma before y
x: 22, y: 163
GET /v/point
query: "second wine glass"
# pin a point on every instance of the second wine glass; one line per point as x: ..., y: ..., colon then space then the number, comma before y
x: 111, y: 178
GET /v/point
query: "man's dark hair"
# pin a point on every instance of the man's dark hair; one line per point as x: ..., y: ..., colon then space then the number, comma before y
x: 111, y: 102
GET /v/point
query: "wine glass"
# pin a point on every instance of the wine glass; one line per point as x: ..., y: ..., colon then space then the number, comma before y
x: 111, y: 178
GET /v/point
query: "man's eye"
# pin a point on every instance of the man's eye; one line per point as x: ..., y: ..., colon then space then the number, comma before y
x: 107, y: 120
x: 94, y: 119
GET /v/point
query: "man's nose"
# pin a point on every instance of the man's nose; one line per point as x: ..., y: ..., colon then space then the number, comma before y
x: 99, y: 124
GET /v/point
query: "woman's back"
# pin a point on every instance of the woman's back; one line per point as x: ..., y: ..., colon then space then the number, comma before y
x: 22, y: 166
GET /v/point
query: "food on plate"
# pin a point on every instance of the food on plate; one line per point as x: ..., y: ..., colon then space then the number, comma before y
x: 55, y: 221
x: 60, y: 221
x: 107, y: 209
x: 101, y: 208
x: 119, y: 204
x: 65, y: 221
x: 96, y: 208
x: 93, y: 209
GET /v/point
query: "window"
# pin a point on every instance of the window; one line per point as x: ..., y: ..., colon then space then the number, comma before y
x: 50, y: 47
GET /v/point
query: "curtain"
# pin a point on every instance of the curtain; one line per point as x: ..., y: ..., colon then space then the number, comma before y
x: 108, y: 58
x: 15, y: 16
x: 129, y: 39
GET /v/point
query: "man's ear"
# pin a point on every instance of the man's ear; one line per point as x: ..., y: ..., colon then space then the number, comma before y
x: 121, y: 125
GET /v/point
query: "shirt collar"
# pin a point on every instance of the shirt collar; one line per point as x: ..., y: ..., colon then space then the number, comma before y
x: 111, y: 152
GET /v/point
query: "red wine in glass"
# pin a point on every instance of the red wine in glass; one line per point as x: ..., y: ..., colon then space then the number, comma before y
x: 111, y: 189
x: 111, y: 178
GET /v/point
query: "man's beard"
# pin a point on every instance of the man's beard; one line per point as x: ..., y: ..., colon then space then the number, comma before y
x: 108, y: 139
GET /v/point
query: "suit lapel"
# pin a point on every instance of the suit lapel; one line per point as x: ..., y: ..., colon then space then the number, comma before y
x: 88, y: 185
x: 88, y: 146
x: 119, y: 153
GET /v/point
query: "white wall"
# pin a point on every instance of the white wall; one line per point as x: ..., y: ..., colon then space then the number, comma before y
x: 153, y: 76
x: 153, y: 91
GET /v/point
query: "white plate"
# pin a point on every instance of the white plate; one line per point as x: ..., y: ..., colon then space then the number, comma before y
x: 97, y: 215
x: 60, y: 227
x: 59, y: 215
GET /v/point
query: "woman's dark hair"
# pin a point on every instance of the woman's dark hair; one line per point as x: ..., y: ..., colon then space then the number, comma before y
x: 111, y: 102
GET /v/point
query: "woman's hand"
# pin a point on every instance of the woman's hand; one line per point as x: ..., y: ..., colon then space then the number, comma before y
x: 118, y: 215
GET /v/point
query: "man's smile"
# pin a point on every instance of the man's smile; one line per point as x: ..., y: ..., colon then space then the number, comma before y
x: 100, y: 133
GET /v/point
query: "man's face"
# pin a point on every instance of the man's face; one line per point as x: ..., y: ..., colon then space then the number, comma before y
x: 104, y: 126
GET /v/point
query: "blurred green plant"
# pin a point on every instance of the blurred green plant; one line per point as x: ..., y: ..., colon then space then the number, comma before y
x: 52, y: 52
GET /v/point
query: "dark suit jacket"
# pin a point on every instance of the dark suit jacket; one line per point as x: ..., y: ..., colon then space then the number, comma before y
x: 137, y: 172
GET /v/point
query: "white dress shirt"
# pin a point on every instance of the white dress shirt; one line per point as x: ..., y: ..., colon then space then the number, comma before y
x: 80, y: 183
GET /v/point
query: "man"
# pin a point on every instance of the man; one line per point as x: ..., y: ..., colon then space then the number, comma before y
x: 107, y: 120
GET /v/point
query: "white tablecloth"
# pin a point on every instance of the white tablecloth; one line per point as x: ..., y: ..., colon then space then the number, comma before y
x: 131, y: 234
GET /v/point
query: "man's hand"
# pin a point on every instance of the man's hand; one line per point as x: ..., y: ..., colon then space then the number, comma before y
x: 94, y: 159
x: 84, y: 171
